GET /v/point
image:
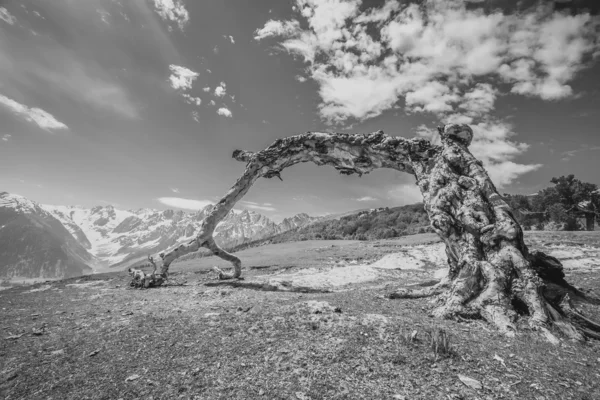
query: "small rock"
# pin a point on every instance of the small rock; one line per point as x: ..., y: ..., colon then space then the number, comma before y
x: 38, y: 331
x: 57, y: 352
x: 132, y: 378
x: 13, y: 337
x: 93, y: 353
x: 470, y: 382
x: 211, y: 314
x: 127, y: 313
x: 413, y: 335
x: 261, y: 392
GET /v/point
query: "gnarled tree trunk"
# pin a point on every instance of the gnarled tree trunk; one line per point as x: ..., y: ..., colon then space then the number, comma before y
x: 492, y: 274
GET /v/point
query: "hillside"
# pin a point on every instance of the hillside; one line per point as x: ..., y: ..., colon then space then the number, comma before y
x: 95, y: 338
x: 33, y: 244
x: 379, y: 223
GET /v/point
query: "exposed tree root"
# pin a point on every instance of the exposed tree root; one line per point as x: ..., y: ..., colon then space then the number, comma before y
x: 492, y: 274
x: 560, y: 315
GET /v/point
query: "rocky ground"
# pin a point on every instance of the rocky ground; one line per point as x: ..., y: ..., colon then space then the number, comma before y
x: 307, y: 322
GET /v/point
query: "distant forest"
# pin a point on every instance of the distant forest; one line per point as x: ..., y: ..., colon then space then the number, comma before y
x: 569, y: 204
x: 379, y: 223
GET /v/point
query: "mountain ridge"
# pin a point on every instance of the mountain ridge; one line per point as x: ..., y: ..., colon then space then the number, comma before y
x: 34, y: 244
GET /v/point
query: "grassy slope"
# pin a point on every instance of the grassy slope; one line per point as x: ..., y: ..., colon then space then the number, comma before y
x: 208, y: 340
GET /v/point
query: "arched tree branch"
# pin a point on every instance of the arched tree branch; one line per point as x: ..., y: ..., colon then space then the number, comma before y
x: 492, y: 275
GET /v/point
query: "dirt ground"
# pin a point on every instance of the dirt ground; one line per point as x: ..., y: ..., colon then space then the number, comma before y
x: 95, y: 338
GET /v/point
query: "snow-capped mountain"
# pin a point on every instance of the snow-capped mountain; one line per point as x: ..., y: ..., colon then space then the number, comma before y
x: 117, y: 237
x: 297, y: 221
x: 34, y: 244
x: 60, y: 241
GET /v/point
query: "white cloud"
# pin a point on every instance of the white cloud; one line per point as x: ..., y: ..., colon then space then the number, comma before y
x: 7, y: 17
x: 258, y: 206
x: 172, y: 10
x: 5, y: 137
x: 536, y: 51
x: 196, y: 116
x: 480, y: 100
x: 212, y: 103
x: 181, y: 77
x: 174, y: 190
x: 441, y: 57
x: 42, y: 118
x: 206, y: 89
x: 277, y: 28
x: 230, y: 38
x: 224, y: 112
x: 192, y: 100
x: 567, y: 155
x: 492, y: 144
x: 366, y: 198
x: 220, y: 90
x: 300, y: 78
x: 186, y: 204
x: 104, y: 16
x: 433, y: 97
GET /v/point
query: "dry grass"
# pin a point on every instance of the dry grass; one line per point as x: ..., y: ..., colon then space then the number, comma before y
x: 97, y: 339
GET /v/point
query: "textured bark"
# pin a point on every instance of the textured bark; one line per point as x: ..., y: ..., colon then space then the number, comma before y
x: 492, y: 275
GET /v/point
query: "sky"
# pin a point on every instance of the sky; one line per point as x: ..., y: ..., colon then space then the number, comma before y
x: 140, y: 103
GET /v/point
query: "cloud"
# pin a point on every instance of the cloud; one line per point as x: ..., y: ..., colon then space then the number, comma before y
x: 192, y: 100
x: 181, y: 77
x: 230, y: 38
x: 493, y: 144
x: 196, y: 116
x: 206, y: 89
x: 104, y: 16
x: 172, y: 10
x: 258, y: 206
x: 431, y: 54
x: 42, y: 118
x: 277, y: 28
x: 174, y: 190
x: 220, y: 90
x: 7, y: 17
x: 5, y: 137
x: 300, y: 78
x: 44, y: 65
x: 186, y: 204
x: 366, y: 198
x: 224, y: 112
x: 212, y: 103
x: 440, y: 57
x: 567, y: 155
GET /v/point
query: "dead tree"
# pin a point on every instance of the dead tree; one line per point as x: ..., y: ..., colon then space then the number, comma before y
x: 492, y: 274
